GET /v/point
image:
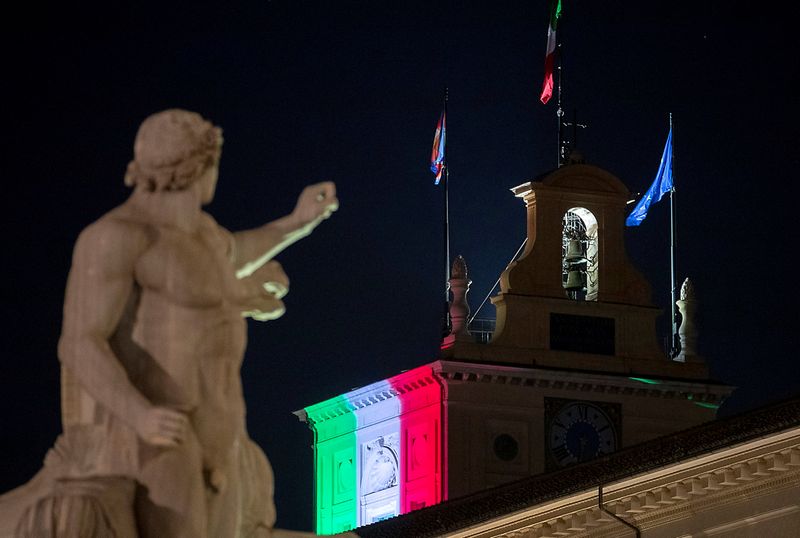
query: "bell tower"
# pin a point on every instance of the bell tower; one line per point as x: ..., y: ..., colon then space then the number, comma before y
x: 573, y: 299
x: 573, y: 369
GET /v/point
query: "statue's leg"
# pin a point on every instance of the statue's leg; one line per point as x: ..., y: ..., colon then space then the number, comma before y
x: 223, y: 498
x: 257, y: 486
x: 240, y: 499
x: 170, y: 499
x: 156, y: 521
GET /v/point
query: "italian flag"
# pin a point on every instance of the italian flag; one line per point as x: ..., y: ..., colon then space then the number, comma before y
x: 550, y: 55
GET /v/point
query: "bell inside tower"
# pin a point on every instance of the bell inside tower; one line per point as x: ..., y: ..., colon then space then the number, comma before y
x: 579, y: 274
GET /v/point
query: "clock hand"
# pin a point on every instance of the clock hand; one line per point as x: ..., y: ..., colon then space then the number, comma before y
x: 583, y: 442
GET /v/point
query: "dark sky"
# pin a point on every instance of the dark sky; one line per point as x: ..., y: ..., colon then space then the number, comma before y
x: 350, y: 92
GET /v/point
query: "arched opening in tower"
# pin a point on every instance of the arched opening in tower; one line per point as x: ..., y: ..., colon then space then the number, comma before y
x: 579, y: 251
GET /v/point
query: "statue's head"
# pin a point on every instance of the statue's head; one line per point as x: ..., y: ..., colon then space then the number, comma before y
x: 173, y: 148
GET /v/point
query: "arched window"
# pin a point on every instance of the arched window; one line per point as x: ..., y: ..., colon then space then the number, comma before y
x: 579, y: 267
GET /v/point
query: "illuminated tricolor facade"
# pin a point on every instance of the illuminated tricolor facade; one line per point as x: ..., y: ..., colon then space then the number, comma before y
x: 378, y: 451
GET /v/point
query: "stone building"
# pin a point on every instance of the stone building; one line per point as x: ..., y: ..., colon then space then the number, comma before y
x: 570, y: 420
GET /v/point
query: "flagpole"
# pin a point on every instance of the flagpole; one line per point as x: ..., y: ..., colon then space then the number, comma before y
x: 446, y: 323
x: 663, y: 183
x: 559, y: 110
x: 672, y: 233
x: 446, y: 211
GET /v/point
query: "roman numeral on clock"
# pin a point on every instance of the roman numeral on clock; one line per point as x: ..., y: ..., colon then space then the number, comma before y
x: 561, y: 453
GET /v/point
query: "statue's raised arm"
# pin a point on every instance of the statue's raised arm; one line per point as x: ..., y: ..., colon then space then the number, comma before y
x: 253, y: 248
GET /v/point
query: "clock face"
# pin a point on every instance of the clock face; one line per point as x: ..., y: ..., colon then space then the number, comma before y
x: 578, y: 432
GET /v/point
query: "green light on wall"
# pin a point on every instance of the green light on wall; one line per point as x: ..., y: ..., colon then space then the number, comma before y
x: 645, y: 380
x: 706, y: 405
x: 336, y: 468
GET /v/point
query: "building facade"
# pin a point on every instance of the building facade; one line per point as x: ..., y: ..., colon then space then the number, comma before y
x: 573, y: 372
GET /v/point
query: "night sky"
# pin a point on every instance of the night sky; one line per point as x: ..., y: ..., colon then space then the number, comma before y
x: 350, y: 92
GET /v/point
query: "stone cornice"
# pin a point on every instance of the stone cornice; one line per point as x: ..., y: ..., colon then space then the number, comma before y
x: 649, y: 500
x: 580, y: 382
x: 369, y: 395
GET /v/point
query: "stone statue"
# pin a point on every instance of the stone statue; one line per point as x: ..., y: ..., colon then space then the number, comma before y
x: 687, y: 306
x: 154, y: 442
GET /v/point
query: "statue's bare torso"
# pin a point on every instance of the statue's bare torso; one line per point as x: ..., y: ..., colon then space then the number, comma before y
x: 185, y: 286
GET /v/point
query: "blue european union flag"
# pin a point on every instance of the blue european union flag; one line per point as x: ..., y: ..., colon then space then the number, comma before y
x: 661, y: 185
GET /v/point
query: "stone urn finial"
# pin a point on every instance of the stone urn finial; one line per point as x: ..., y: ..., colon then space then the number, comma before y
x: 687, y: 290
x: 459, y: 307
x: 459, y: 268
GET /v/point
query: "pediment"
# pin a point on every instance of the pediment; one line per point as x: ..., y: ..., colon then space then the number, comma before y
x: 587, y: 178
